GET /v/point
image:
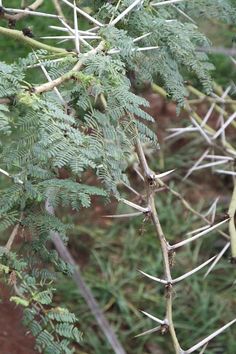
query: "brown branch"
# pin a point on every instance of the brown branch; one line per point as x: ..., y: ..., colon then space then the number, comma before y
x: 13, y: 236
x: 59, y: 10
x: 5, y: 100
x: 218, y: 50
x: 48, y: 86
x: 85, y: 291
x: 150, y: 195
x: 19, y: 36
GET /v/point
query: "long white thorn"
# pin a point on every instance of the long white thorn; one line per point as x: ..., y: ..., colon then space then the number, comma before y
x: 188, y: 274
x: 207, y: 116
x: 204, y: 348
x: 139, y: 173
x: 85, y: 14
x: 153, y: 317
x: 141, y: 37
x: 135, y: 206
x: 193, y: 238
x: 162, y: 281
x: 210, y: 164
x: 49, y: 79
x: 77, y: 43
x: 140, y: 49
x: 5, y: 172
x: 71, y: 37
x: 131, y: 189
x: 125, y: 12
x: 33, y: 13
x: 212, y: 208
x: 219, y: 256
x: 219, y: 157
x: 164, y: 174
x: 184, y: 14
x: 155, y: 329
x: 63, y: 29
x: 179, y: 131
x: 166, y: 2
x: 201, y: 158
x: 198, y: 230
x: 210, y: 337
x: 201, y: 131
x: 224, y: 172
x: 10, y: 176
x: 117, y: 216
x: 225, y: 125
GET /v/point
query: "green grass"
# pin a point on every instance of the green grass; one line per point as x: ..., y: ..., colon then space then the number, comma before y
x: 115, y: 255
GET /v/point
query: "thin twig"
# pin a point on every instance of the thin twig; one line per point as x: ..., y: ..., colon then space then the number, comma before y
x: 19, y: 36
x: 20, y: 15
x: 150, y: 192
x: 13, y: 235
x: 84, y: 289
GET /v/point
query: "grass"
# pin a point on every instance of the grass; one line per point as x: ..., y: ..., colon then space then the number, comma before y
x: 115, y: 255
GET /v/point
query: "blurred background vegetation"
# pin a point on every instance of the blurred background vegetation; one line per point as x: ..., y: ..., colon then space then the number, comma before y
x: 110, y: 252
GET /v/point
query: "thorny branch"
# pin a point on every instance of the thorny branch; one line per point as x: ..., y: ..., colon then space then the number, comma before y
x: 19, y: 35
x: 18, y: 16
x: 13, y: 236
x: 150, y: 193
x: 168, y: 323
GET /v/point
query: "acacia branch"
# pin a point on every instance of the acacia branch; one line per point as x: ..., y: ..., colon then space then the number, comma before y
x: 16, y: 17
x: 48, y: 86
x: 59, y: 11
x: 84, y: 289
x: 150, y: 194
x: 13, y: 235
x: 19, y: 36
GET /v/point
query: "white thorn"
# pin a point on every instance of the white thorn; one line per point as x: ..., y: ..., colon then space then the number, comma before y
x: 226, y: 172
x: 210, y: 164
x: 222, y: 252
x: 141, y: 37
x: 207, y: 116
x: 135, y: 206
x: 162, y: 281
x: 155, y: 329
x: 34, y: 13
x: 130, y: 215
x: 125, y: 12
x: 166, y: 2
x: 49, y: 79
x: 182, y: 277
x: 85, y: 14
x: 201, y: 130
x: 198, y: 230
x: 201, y: 158
x: 225, y: 125
x: 164, y: 174
x: 153, y: 317
x: 77, y: 44
x: 193, y: 238
x: 210, y: 337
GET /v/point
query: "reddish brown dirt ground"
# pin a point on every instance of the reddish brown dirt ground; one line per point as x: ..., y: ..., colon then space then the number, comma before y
x: 13, y: 336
